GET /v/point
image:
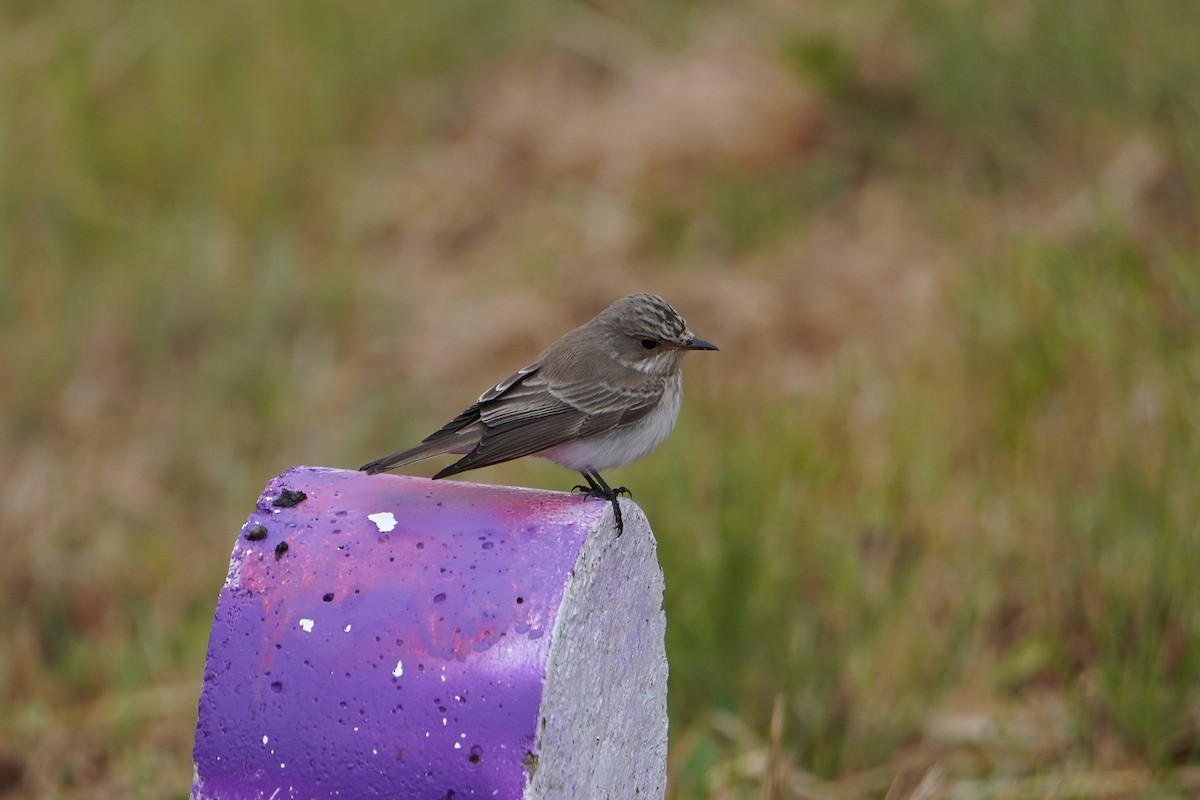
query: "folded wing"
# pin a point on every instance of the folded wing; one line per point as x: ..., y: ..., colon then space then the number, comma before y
x: 538, y: 414
x: 525, y: 414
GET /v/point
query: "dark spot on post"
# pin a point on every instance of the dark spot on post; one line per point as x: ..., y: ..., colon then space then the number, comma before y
x: 530, y: 762
x: 276, y: 687
x: 520, y: 600
x: 256, y: 533
x: 476, y: 754
x: 440, y: 597
x: 488, y: 545
x: 327, y: 597
x: 280, y: 549
x: 289, y: 498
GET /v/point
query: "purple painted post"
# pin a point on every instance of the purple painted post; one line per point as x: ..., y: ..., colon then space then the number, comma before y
x: 395, y: 637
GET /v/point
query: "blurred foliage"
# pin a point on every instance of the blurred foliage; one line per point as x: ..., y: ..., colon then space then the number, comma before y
x: 928, y: 522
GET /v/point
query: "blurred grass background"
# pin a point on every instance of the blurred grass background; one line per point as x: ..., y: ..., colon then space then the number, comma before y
x: 929, y: 521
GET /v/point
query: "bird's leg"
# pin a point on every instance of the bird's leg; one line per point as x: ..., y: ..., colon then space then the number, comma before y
x: 604, y: 487
x: 597, y: 487
x: 591, y: 490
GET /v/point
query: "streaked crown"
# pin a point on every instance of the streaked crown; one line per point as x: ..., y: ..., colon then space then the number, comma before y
x: 645, y: 314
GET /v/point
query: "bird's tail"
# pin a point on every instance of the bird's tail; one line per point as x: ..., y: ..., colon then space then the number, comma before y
x: 458, y: 442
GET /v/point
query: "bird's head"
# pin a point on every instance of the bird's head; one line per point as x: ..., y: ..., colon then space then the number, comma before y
x: 648, y: 334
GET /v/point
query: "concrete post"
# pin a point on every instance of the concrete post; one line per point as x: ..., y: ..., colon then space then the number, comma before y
x: 396, y: 637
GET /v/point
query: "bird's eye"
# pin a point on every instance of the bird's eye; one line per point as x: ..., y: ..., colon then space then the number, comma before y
x: 649, y: 344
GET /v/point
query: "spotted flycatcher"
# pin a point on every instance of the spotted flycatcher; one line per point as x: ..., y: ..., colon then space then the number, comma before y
x: 602, y: 396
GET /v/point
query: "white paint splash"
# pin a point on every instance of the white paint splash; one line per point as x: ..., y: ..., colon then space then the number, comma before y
x: 384, y: 520
x: 346, y: 629
x: 399, y: 670
x: 307, y: 624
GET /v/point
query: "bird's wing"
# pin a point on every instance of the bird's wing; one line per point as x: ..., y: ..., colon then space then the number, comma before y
x: 539, y: 414
x: 457, y: 435
x: 473, y: 413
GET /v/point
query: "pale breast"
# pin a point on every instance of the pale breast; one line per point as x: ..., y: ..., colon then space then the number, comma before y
x: 625, y: 444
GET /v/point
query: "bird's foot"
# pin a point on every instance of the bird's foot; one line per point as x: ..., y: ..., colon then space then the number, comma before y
x: 599, y: 490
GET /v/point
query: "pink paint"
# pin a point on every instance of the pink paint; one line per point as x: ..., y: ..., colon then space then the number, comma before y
x: 369, y: 663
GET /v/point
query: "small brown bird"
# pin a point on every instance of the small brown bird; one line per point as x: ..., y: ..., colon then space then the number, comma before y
x: 601, y: 396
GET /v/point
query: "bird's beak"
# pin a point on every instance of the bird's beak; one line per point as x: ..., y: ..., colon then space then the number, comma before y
x: 699, y: 344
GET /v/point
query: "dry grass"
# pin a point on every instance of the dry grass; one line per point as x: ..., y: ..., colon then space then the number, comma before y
x: 934, y: 500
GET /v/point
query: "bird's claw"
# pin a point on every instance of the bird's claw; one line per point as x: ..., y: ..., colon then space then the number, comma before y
x: 596, y: 493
